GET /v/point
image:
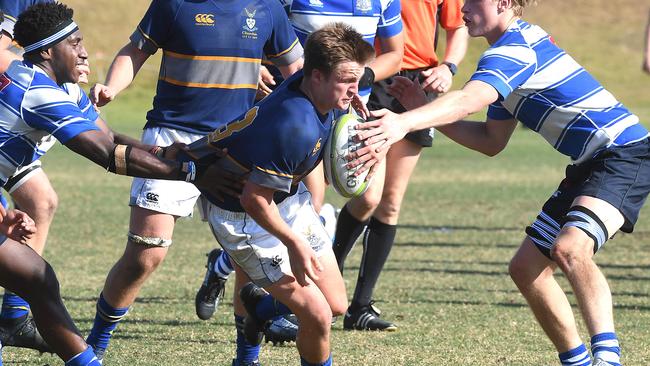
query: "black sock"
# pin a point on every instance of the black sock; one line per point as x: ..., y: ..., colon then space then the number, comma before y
x: 348, y: 229
x: 377, y: 243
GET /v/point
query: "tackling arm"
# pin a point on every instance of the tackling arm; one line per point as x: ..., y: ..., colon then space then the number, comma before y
x: 489, y: 138
x: 125, y: 66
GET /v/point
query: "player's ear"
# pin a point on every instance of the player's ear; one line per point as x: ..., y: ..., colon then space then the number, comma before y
x: 317, y: 75
x: 46, y: 54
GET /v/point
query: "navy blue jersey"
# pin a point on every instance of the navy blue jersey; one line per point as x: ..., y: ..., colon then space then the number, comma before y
x: 211, y: 56
x: 12, y: 9
x: 279, y: 141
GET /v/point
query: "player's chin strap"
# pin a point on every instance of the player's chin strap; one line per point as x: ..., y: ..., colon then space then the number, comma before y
x: 118, y: 163
x: 61, y: 32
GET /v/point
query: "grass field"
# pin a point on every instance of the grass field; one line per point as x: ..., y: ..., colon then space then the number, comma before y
x: 446, y: 283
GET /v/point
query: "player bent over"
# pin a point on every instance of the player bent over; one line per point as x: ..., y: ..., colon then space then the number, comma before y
x: 35, y: 104
x: 272, y: 232
x: 524, y: 76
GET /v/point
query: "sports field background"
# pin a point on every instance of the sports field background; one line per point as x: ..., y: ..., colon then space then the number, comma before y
x: 446, y: 283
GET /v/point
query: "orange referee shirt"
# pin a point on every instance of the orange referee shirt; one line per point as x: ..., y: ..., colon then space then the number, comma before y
x: 419, y: 19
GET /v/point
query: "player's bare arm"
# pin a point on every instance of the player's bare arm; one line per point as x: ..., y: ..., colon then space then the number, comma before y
x: 389, y: 61
x: 439, y: 79
x: 258, y: 202
x: 123, y: 70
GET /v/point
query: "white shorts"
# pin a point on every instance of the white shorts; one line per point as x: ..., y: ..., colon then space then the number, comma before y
x: 23, y: 174
x: 166, y: 196
x: 261, y: 255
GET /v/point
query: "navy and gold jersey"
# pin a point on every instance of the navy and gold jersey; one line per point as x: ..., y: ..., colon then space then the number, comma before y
x: 279, y: 141
x: 211, y: 56
x: 11, y: 9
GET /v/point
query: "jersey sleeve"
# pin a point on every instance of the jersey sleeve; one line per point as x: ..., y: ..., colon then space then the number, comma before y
x: 51, y: 109
x: 390, y: 22
x: 11, y: 9
x: 281, y: 154
x: 155, y: 27
x: 506, y: 67
x: 450, y: 15
x: 283, y: 47
x: 75, y: 91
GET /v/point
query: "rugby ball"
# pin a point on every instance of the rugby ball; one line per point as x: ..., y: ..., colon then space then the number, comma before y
x: 339, y: 145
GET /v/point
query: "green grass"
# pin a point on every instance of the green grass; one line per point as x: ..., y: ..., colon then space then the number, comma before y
x: 446, y: 282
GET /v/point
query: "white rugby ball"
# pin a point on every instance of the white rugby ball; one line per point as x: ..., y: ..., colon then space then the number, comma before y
x: 339, y: 145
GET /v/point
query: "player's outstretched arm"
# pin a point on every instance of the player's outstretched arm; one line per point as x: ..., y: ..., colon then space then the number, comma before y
x: 258, y: 203
x: 17, y: 225
x: 646, y: 51
x: 126, y: 160
x: 125, y: 66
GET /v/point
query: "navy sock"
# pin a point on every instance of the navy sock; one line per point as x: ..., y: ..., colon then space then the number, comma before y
x: 605, y: 346
x: 578, y: 356
x: 85, y: 358
x: 246, y: 352
x: 377, y: 243
x: 326, y: 363
x: 13, y: 306
x: 268, y: 308
x: 348, y: 229
x: 106, y: 320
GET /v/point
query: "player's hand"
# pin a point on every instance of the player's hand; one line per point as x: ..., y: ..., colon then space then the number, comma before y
x: 265, y: 79
x: 171, y: 152
x: 408, y: 93
x: 437, y: 79
x: 221, y: 183
x: 378, y: 136
x: 100, y: 95
x: 360, y: 107
x: 17, y: 225
x: 304, y: 263
x: 84, y: 69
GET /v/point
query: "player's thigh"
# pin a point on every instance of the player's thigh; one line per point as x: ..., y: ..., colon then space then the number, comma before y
x: 330, y: 282
x: 35, y: 195
x: 363, y: 206
x: 401, y: 161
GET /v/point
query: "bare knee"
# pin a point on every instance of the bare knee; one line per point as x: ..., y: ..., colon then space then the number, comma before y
x: 318, y: 319
x: 339, y: 306
x: 568, y: 256
x: 139, y: 261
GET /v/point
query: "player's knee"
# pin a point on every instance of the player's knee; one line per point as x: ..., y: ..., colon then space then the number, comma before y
x: 517, y: 271
x: 43, y: 284
x: 366, y: 203
x: 339, y: 306
x: 318, y: 317
x: 583, y: 233
x: 389, y: 208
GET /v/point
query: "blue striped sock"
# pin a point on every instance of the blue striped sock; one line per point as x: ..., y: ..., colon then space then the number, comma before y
x: 246, y: 352
x: 268, y: 308
x: 106, y: 320
x: 326, y: 363
x: 605, y: 346
x: 223, y: 267
x: 13, y: 306
x: 85, y: 358
x: 578, y: 356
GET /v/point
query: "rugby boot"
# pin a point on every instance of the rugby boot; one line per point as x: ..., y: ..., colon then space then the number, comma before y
x: 250, y: 295
x: 366, y: 318
x: 22, y: 332
x: 212, y: 290
x: 282, y: 329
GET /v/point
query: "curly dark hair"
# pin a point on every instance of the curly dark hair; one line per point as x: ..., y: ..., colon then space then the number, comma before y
x: 40, y: 21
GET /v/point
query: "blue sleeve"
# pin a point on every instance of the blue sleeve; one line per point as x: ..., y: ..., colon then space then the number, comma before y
x: 390, y: 23
x: 87, y: 108
x: 283, y: 48
x: 496, y: 111
x: 506, y: 67
x: 51, y: 109
x: 155, y: 27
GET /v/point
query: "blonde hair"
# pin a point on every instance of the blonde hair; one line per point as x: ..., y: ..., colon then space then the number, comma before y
x: 519, y: 5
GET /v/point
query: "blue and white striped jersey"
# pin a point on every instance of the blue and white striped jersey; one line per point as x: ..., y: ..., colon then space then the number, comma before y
x: 33, y: 107
x: 368, y: 17
x: 540, y: 85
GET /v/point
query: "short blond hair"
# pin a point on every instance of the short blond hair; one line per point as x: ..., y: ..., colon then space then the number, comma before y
x: 519, y: 5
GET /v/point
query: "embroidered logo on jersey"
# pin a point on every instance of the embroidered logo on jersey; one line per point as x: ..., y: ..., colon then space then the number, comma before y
x: 250, y: 30
x: 363, y: 6
x: 4, y: 82
x: 315, y: 241
x: 204, y: 19
x: 317, y: 147
x: 316, y: 3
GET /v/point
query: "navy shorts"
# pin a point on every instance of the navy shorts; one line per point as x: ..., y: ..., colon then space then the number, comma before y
x: 619, y: 175
x: 379, y: 98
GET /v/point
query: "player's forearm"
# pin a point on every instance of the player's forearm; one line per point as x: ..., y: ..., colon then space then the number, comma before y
x: 473, y: 135
x: 444, y: 110
x: 124, y: 68
x: 389, y: 61
x: 265, y: 213
x: 456, y: 45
